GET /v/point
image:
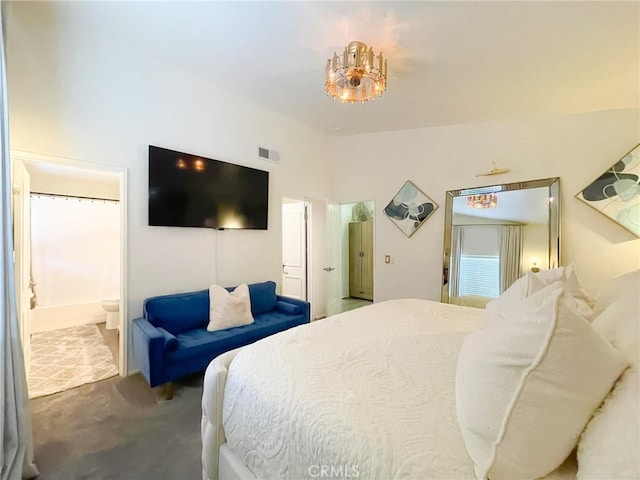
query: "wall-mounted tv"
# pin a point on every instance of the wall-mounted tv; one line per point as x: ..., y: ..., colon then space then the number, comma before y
x: 191, y: 191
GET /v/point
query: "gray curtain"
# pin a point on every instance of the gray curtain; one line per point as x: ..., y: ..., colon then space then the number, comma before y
x: 510, y: 255
x: 16, y: 456
x: 456, y: 255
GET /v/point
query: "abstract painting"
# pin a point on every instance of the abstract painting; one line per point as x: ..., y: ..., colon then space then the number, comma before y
x: 616, y: 193
x: 409, y: 208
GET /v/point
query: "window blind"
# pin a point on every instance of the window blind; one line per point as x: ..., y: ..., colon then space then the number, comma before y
x: 479, y: 275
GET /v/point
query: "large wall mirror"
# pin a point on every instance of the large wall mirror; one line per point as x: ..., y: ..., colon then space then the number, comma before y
x: 494, y: 234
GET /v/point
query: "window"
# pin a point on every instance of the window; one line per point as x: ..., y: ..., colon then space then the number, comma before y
x: 479, y: 275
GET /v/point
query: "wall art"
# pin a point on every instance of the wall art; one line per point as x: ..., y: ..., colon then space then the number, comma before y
x: 410, y: 208
x: 616, y: 193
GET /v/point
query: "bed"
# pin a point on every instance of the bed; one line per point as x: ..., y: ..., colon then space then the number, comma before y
x: 369, y: 393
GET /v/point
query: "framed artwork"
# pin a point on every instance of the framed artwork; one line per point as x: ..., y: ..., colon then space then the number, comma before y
x: 409, y: 208
x: 616, y: 193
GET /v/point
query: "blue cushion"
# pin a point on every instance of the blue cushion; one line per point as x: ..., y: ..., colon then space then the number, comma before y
x: 198, y: 343
x: 263, y: 297
x: 179, y: 312
x: 170, y: 342
x: 288, y: 308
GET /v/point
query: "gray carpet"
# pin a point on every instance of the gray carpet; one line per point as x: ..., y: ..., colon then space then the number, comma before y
x: 116, y: 429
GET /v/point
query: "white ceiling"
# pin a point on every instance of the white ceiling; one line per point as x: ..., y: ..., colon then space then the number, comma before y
x: 449, y: 62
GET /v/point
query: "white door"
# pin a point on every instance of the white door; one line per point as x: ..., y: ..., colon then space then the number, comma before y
x: 316, y: 251
x: 333, y: 227
x: 22, y: 248
x: 294, y: 250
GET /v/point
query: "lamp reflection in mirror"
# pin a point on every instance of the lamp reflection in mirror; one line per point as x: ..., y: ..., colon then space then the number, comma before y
x: 487, y: 249
x: 535, y: 268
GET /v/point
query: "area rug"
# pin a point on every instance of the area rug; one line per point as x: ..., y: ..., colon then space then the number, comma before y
x: 67, y: 358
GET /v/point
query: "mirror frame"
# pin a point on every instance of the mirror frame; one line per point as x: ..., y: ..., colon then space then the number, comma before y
x: 553, y: 185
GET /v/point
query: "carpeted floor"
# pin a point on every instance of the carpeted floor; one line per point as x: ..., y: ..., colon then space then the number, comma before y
x: 66, y: 358
x: 116, y: 429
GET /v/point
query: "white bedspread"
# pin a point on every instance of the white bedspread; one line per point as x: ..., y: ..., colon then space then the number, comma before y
x: 367, y: 393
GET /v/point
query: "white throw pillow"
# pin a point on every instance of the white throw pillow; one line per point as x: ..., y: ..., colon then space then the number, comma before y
x: 619, y: 322
x: 623, y: 288
x: 531, y: 282
x: 528, y: 381
x: 610, y: 445
x: 518, y: 291
x: 228, y: 310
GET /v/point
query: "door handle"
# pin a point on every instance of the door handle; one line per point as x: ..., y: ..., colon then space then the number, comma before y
x: 328, y: 269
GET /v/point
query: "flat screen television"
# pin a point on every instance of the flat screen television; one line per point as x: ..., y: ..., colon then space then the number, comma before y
x: 191, y: 191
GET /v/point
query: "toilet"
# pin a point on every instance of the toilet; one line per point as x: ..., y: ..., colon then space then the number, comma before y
x: 112, y: 307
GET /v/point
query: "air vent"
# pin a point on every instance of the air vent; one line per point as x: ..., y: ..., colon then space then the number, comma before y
x: 266, y: 154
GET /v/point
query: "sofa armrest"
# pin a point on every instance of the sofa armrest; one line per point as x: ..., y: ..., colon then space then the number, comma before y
x: 148, y: 351
x: 305, y: 306
x: 289, y: 308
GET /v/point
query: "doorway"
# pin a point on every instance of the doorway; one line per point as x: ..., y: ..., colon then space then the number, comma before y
x: 304, y: 267
x: 70, y: 252
x: 357, y: 254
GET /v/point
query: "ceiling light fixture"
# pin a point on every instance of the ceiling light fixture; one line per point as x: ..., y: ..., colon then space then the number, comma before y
x: 357, y: 75
x: 484, y: 200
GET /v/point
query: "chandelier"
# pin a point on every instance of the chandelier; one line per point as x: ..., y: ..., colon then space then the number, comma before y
x: 484, y: 200
x: 357, y: 75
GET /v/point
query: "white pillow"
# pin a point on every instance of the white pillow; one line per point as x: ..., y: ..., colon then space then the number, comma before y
x: 532, y: 282
x: 228, y: 310
x: 528, y: 381
x: 522, y: 288
x: 625, y: 288
x: 619, y: 323
x: 610, y: 445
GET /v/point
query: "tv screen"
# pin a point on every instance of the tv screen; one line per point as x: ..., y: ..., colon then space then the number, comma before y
x: 190, y: 191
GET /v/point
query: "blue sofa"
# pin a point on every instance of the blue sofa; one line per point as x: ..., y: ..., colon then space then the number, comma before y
x: 171, y: 339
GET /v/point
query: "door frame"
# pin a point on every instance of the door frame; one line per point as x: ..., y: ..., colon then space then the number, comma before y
x: 121, y: 173
x: 20, y: 190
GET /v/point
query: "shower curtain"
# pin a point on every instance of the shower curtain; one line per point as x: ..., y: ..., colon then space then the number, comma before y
x: 75, y: 249
x: 16, y: 440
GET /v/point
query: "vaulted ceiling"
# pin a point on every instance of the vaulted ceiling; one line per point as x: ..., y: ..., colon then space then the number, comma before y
x: 449, y: 62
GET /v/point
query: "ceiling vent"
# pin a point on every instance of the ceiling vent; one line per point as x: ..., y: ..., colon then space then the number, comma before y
x: 266, y: 154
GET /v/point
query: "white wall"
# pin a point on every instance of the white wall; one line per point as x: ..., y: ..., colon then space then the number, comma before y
x: 75, y: 95
x: 61, y: 184
x: 576, y: 148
